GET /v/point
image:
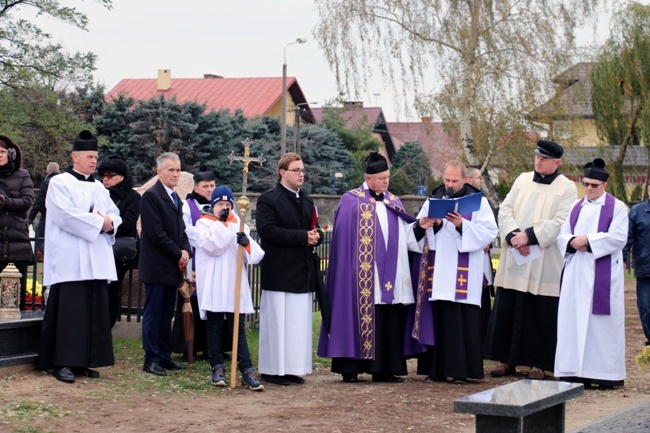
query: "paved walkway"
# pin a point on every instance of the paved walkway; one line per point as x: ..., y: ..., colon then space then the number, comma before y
x: 634, y: 420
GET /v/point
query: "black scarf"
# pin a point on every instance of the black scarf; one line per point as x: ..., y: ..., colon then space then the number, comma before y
x: 545, y: 180
x: 6, y: 170
x: 198, y: 197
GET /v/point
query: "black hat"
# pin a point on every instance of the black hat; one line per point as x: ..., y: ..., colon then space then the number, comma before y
x: 113, y: 164
x: 203, y: 174
x: 84, y: 141
x: 376, y: 163
x: 596, y: 170
x: 549, y: 149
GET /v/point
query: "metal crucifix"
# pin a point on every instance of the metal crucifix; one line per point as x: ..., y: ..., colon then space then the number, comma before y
x: 246, y: 159
x: 242, y: 204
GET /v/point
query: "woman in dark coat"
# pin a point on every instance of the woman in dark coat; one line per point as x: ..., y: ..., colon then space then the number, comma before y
x: 115, y: 177
x: 16, y: 197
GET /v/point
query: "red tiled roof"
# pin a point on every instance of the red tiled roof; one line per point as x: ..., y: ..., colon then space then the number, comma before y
x: 254, y: 96
x: 436, y: 143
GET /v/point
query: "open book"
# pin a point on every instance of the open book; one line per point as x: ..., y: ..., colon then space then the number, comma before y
x: 440, y: 207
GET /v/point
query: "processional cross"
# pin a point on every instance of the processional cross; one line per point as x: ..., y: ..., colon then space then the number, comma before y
x: 242, y: 204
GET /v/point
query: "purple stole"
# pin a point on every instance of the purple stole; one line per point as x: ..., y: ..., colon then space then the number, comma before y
x: 372, y: 250
x: 425, y: 283
x: 195, y: 213
x: 603, y: 274
x: 462, y: 271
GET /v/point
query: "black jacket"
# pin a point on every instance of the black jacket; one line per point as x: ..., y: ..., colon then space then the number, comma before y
x: 639, y: 237
x: 39, y: 201
x: 289, y: 264
x: 162, y: 238
x: 16, y: 197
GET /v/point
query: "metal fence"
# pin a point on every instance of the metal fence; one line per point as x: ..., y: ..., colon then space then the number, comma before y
x: 133, y: 291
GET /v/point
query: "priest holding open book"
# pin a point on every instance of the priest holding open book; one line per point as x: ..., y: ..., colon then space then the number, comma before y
x: 453, y: 254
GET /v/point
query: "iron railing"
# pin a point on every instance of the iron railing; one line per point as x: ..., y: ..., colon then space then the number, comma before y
x: 133, y: 292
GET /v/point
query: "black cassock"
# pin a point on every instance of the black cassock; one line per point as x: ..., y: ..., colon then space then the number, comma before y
x: 76, y: 329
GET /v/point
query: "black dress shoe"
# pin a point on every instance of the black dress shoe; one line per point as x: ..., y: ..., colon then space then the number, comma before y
x: 294, y: 379
x: 350, y: 377
x: 388, y: 378
x: 154, y: 368
x: 82, y: 371
x: 172, y: 365
x: 275, y: 380
x: 64, y: 374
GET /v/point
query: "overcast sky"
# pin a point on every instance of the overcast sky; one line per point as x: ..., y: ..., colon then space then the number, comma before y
x: 232, y: 38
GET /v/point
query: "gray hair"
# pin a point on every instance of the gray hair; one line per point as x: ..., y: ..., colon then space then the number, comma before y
x: 52, y: 167
x: 160, y: 161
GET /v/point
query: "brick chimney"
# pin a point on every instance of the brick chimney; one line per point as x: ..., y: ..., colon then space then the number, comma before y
x: 164, y: 79
x: 353, y: 104
x: 427, y: 119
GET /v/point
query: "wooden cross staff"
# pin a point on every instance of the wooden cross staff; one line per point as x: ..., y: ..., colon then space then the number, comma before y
x: 242, y: 204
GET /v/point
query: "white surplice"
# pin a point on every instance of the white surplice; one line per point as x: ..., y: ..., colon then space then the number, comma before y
x: 592, y: 345
x: 448, y: 242
x: 216, y: 258
x: 75, y: 248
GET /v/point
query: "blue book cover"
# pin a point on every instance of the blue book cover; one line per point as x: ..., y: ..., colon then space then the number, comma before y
x: 440, y: 207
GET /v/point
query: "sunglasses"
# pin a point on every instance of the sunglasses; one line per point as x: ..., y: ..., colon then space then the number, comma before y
x: 591, y: 185
x: 108, y: 175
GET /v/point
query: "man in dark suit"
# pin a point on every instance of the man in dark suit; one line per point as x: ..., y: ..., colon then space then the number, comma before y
x: 288, y: 228
x: 39, y: 205
x: 164, y: 251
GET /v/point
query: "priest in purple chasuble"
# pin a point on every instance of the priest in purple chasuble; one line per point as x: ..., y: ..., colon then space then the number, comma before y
x: 591, y: 314
x: 369, y: 280
x: 454, y: 252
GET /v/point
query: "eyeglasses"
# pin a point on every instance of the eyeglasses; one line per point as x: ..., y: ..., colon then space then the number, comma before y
x: 107, y: 175
x: 296, y: 170
x: 591, y: 185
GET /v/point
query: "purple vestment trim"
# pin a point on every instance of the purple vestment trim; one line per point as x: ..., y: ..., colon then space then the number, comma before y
x: 423, y: 320
x: 195, y: 213
x: 462, y: 271
x: 603, y: 274
x: 386, y: 258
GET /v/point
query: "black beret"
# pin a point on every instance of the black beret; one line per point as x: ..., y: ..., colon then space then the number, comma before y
x: 113, y: 164
x: 84, y: 141
x: 596, y: 170
x: 203, y: 174
x: 549, y: 149
x: 376, y: 163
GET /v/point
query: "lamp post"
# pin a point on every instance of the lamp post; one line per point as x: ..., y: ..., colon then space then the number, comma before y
x: 283, y: 115
x: 296, y: 125
x: 337, y: 176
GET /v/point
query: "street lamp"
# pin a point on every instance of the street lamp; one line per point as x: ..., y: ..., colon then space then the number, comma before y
x: 283, y: 121
x: 296, y: 127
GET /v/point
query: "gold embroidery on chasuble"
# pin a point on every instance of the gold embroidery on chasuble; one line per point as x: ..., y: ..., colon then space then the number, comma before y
x: 365, y: 266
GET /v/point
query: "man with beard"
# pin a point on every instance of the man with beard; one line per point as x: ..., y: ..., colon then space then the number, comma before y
x: 456, y: 251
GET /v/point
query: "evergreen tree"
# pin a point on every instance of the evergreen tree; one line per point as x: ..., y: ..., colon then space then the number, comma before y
x: 411, y: 160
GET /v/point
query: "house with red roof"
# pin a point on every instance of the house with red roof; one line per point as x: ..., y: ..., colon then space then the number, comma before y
x: 359, y: 117
x: 254, y: 96
x: 437, y: 144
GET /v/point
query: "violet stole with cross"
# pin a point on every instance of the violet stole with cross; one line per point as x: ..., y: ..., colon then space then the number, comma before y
x: 373, y: 254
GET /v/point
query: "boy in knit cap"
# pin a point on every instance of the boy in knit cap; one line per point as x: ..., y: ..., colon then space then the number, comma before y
x: 218, y: 240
